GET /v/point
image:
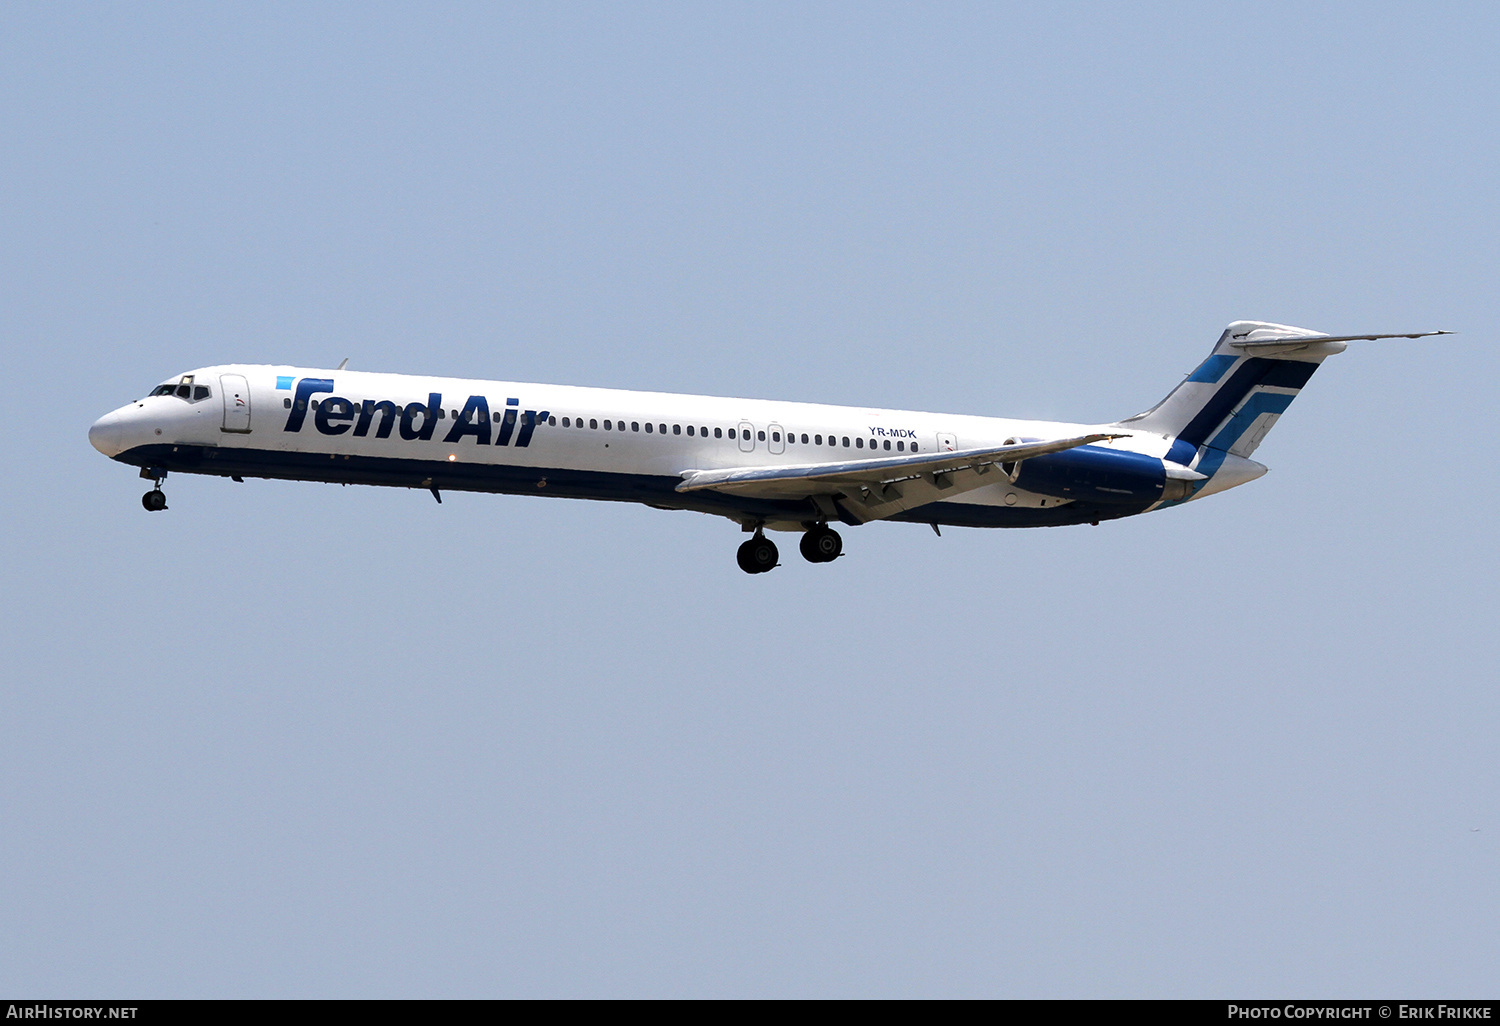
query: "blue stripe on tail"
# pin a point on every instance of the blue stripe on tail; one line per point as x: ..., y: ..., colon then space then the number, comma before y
x: 1225, y: 438
x: 1213, y: 368
x: 1254, y: 372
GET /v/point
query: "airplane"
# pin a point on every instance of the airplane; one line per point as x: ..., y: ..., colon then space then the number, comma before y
x: 767, y: 465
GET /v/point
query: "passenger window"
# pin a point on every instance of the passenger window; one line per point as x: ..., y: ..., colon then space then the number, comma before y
x: 804, y: 439
x: 718, y: 432
x: 635, y: 425
x: 846, y: 441
x: 442, y: 414
x: 690, y: 431
x: 703, y: 431
x: 676, y: 429
x: 900, y: 446
x: 887, y: 446
x: 648, y: 428
x: 607, y: 426
x: 817, y: 439
x: 775, y: 436
x: 760, y: 436
x: 593, y: 424
x: 914, y: 447
x: 731, y: 432
x: 551, y: 421
x: 567, y: 422
x: 286, y: 404
x: 859, y: 443
x: 662, y: 428
x: 314, y: 404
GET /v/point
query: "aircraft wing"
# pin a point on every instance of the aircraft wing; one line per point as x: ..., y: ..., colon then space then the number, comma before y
x: 877, y: 488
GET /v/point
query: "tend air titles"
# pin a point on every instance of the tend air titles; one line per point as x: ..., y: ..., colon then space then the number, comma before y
x: 415, y: 422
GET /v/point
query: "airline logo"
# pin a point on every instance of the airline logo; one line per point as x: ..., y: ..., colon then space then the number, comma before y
x: 414, y: 422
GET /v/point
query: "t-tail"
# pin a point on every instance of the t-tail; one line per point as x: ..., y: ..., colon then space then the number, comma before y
x: 1218, y: 416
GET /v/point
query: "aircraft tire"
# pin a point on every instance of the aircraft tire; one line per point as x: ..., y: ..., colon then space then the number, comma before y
x: 155, y: 500
x: 757, y: 555
x: 821, y: 545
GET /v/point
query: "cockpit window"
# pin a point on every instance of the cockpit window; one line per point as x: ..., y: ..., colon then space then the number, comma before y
x: 184, y: 389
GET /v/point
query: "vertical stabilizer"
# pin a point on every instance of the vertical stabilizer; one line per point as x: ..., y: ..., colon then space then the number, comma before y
x: 1228, y: 405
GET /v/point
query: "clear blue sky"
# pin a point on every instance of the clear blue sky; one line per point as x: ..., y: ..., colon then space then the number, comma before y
x: 302, y: 740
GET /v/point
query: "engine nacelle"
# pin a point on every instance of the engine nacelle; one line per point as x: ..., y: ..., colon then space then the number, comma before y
x: 1093, y: 474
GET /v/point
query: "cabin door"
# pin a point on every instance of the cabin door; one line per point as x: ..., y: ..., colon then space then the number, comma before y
x: 236, y: 392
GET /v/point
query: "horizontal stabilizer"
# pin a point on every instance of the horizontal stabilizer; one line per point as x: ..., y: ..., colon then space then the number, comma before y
x: 1274, y: 346
x: 1231, y: 401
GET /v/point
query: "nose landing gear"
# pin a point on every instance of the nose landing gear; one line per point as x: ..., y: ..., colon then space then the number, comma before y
x: 155, y: 500
x: 757, y: 555
x: 821, y: 544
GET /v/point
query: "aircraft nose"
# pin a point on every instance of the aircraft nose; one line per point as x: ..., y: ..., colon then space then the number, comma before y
x: 104, y: 435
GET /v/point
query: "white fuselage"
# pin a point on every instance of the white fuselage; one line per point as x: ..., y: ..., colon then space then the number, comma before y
x: 768, y: 465
x: 586, y: 442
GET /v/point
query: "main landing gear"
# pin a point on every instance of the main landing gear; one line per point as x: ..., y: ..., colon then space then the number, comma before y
x: 820, y: 544
x: 757, y: 555
x: 155, y: 500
